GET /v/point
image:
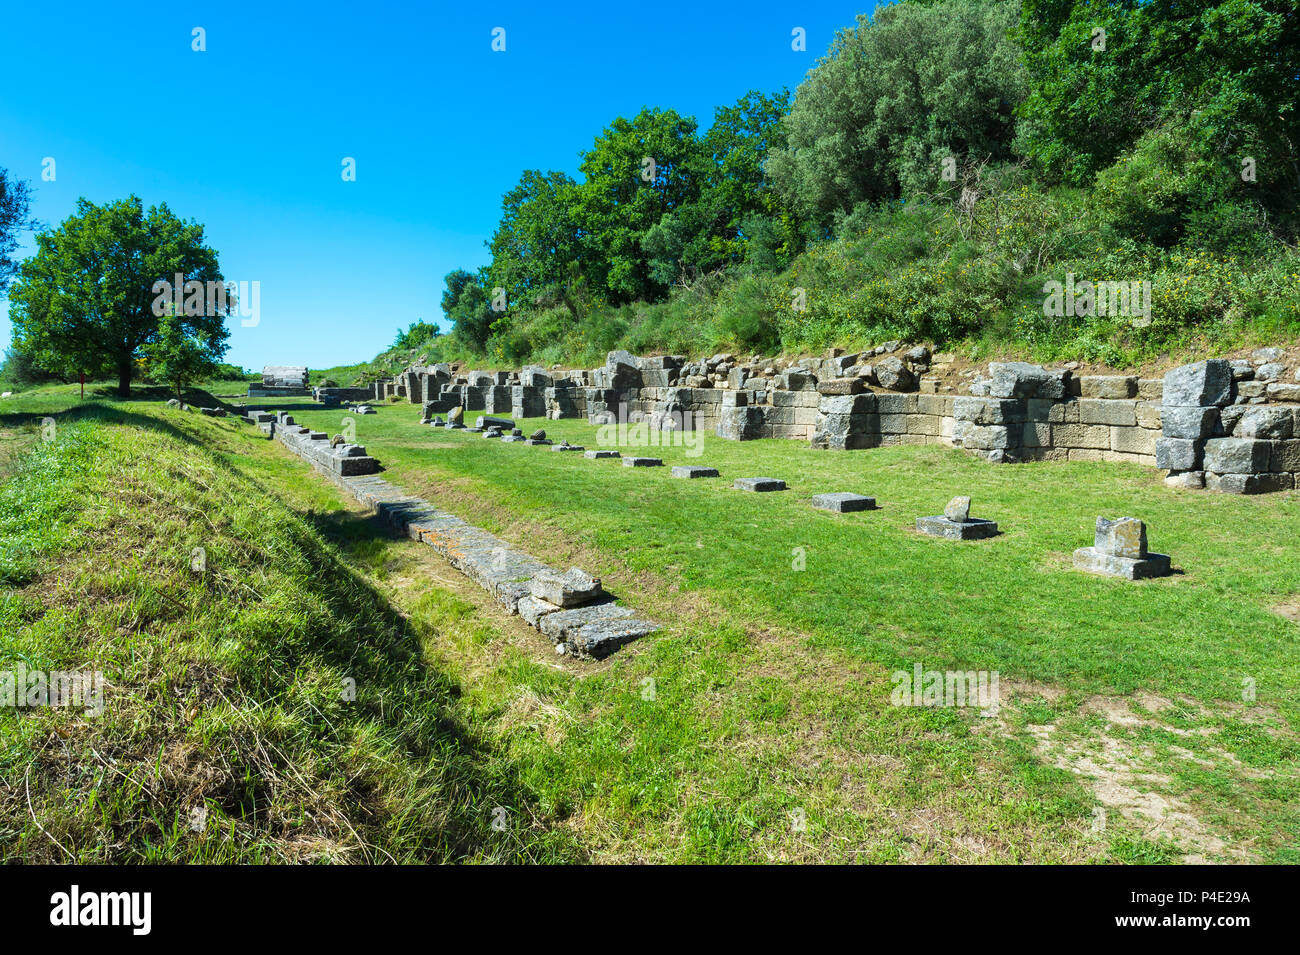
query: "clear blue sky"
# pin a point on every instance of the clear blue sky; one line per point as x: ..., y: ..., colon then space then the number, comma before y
x: 248, y: 137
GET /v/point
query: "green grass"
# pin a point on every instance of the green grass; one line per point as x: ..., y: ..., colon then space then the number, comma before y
x: 876, y: 597
x: 757, y: 726
x: 225, y: 687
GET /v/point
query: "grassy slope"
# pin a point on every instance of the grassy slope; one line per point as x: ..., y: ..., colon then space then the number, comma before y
x: 224, y: 686
x: 792, y: 666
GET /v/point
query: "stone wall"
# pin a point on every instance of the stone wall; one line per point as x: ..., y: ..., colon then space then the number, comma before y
x: 1016, y: 412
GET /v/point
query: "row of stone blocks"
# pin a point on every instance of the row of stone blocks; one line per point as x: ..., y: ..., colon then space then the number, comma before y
x: 330, y: 457
x: 571, y: 608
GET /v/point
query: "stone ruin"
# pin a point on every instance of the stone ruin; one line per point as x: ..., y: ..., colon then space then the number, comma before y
x: 1223, y: 425
x: 1120, y: 550
x: 281, y: 381
x: 955, y: 523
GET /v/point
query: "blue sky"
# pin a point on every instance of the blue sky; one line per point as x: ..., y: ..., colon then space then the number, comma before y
x: 248, y: 137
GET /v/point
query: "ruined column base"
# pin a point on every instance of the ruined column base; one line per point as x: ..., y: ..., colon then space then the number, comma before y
x: 1129, y: 568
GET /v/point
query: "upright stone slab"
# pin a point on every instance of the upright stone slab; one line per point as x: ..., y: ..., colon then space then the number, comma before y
x: 1120, y: 550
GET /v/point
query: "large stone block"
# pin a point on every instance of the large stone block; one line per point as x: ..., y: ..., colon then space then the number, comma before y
x: 1128, y: 568
x: 1108, y: 386
x: 1284, y: 455
x: 1265, y: 483
x: 1122, y: 537
x: 843, y: 502
x: 1101, y: 411
x: 1236, y: 455
x: 1188, y: 422
x: 1133, y: 440
x: 1275, y: 424
x: 1199, y: 385
x: 1018, y: 379
x: 759, y: 484
x: 571, y: 589
x: 988, y: 410
x: 1091, y: 436
x: 1178, y: 454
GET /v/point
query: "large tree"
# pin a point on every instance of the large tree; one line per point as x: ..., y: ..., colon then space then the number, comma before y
x: 636, y: 171
x: 896, y: 95
x: 536, y: 247
x: 87, y: 300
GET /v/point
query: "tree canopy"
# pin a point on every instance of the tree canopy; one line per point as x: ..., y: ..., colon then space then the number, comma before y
x: 86, y: 301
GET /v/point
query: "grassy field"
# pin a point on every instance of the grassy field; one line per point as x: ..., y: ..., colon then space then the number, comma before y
x: 758, y: 725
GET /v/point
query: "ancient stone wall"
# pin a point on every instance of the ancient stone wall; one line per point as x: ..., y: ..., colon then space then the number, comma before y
x: 1016, y: 412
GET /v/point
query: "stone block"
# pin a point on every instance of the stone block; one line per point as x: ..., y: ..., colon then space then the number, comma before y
x: 597, y: 454
x: 1108, y: 386
x: 1187, y: 480
x: 571, y: 589
x: 842, y: 502
x: 1133, y: 440
x: 988, y: 438
x: 1265, y: 483
x: 1148, y: 415
x: 689, y: 471
x: 895, y: 404
x: 567, y: 447
x: 972, y: 529
x: 642, y: 463
x: 1284, y: 455
x: 1178, y: 454
x: 986, y: 411
x: 1236, y: 455
x: 1091, y: 560
x: 1036, y: 435
x: 1122, y: 537
x: 1281, y: 392
x: 1188, y: 422
x: 1274, y: 424
x: 1199, y: 385
x: 1101, y: 411
x: 1072, y: 436
x: 841, y: 386
x: 1018, y: 379
x: 759, y: 484
x: 958, y: 509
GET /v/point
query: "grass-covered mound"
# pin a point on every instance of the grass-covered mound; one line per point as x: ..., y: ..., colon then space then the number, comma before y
x: 225, y: 734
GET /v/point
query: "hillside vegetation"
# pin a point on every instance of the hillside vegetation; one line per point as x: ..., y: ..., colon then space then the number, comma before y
x: 941, y: 165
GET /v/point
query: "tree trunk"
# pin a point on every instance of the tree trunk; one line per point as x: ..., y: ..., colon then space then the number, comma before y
x: 124, y: 379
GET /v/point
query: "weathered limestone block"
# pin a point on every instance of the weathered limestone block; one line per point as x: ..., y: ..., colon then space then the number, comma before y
x: 1272, y: 423
x: 1108, y: 386
x: 1018, y: 379
x: 1203, y: 384
x: 1189, y: 422
x: 689, y: 471
x: 1121, y: 414
x: 896, y: 404
x: 642, y: 463
x: 740, y: 424
x: 1284, y: 456
x: 1178, y: 454
x: 841, y: 386
x: 1120, y: 550
x: 1148, y: 415
x: 1072, y: 436
x: 1236, y: 455
x: 597, y: 454
x: 1133, y: 440
x: 842, y: 502
x: 571, y: 589
x: 894, y: 375
x: 1263, y: 483
x: 986, y: 411
x: 489, y: 421
x: 759, y: 484
x: 1188, y: 480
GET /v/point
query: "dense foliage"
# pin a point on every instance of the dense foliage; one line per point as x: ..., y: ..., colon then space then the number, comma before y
x: 940, y: 165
